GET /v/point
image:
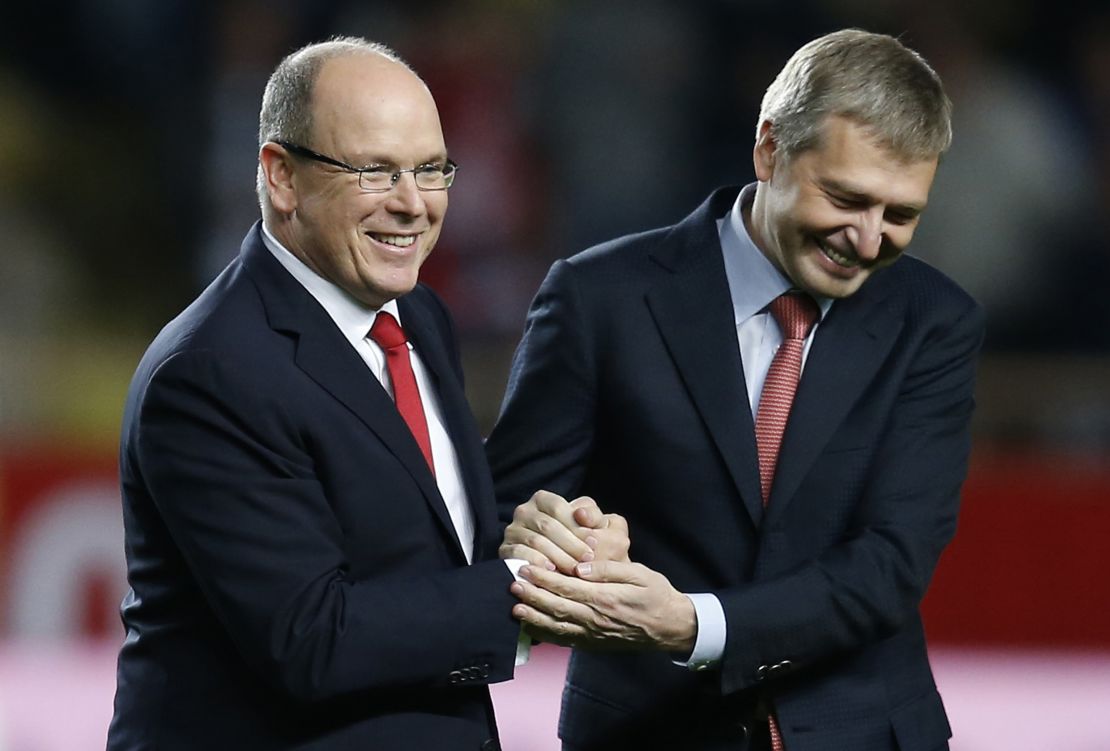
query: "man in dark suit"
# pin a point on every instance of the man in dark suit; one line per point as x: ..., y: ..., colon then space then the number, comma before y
x: 312, y: 565
x: 779, y: 570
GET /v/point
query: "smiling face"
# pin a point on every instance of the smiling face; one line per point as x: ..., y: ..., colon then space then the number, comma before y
x: 366, y: 110
x: 830, y: 216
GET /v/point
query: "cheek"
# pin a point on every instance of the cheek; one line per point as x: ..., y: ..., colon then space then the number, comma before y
x: 437, y: 208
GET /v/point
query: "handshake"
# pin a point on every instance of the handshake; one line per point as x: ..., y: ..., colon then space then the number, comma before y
x: 580, y: 589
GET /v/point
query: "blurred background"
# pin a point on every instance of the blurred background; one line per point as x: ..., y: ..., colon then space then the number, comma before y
x: 127, y: 155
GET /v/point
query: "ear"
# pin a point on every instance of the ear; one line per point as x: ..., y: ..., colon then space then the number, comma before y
x: 763, y: 155
x: 277, y: 171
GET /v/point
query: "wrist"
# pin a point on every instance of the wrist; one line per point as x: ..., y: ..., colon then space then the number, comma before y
x: 683, y: 631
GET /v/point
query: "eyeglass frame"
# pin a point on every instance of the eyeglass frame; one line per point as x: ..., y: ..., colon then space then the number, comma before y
x: 449, y: 169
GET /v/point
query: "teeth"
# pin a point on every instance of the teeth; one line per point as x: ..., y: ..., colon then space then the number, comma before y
x: 837, y: 258
x: 401, y: 241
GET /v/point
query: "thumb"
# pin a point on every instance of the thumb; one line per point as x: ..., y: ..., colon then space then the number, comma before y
x: 587, y: 513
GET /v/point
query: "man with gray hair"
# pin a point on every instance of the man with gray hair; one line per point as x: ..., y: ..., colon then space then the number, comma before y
x: 310, y: 529
x: 777, y: 401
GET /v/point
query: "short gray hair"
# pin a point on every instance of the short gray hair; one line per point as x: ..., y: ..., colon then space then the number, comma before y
x: 871, y: 79
x: 286, y: 113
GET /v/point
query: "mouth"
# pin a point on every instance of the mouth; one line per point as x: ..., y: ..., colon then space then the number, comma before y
x: 397, y: 241
x: 841, y: 260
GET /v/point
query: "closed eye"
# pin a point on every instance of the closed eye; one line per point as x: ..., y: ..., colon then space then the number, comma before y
x: 849, y: 204
x: 901, y: 218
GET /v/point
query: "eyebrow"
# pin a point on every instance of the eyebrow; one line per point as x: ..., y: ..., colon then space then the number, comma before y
x: 383, y: 161
x: 832, y: 185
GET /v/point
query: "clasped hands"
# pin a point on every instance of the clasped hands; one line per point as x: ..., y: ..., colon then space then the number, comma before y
x: 580, y: 588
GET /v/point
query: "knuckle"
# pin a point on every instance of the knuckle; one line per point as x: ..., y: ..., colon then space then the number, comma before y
x: 605, y: 601
x: 545, y: 499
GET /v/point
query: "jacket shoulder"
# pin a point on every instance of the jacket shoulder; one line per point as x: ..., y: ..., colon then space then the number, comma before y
x: 926, y: 288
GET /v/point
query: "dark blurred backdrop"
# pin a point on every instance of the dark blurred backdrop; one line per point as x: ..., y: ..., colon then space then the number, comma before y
x: 128, y: 144
x: 127, y: 158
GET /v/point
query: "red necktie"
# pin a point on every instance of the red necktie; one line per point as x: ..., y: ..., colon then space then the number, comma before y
x: 795, y: 313
x: 391, y: 337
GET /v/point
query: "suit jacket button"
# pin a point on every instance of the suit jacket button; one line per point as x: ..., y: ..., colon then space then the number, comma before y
x: 491, y: 745
x: 483, y: 672
x: 454, y: 676
x: 762, y: 672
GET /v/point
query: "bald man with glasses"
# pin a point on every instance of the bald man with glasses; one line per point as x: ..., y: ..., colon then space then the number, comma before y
x: 310, y: 529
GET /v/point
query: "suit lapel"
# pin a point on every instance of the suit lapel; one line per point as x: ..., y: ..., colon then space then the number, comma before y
x: 327, y: 358
x: 692, y: 307
x: 457, y: 417
x: 848, y: 349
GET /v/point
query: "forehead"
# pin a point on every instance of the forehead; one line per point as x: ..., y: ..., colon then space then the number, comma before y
x: 849, y: 156
x: 366, y: 105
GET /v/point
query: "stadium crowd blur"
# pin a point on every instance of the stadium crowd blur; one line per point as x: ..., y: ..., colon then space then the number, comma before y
x: 127, y: 158
x: 128, y: 140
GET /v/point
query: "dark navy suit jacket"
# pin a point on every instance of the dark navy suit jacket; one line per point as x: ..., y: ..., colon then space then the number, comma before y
x: 296, y: 582
x: 629, y: 386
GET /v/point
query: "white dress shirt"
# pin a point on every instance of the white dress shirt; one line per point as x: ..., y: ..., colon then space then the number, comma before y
x: 354, y: 321
x: 753, y: 283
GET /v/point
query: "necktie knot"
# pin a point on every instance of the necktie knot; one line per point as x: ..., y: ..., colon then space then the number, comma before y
x: 795, y: 313
x: 387, y: 332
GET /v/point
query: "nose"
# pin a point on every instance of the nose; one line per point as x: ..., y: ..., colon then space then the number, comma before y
x: 866, y: 233
x: 405, y: 198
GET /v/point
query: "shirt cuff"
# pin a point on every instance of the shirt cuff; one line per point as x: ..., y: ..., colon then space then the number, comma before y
x: 709, y: 644
x: 523, y: 640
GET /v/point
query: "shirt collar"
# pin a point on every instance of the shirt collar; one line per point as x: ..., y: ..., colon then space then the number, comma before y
x: 352, y: 317
x: 753, y: 281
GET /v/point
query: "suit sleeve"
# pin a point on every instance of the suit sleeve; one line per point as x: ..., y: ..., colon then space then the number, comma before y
x: 871, y: 583
x: 859, y: 589
x: 236, y: 487
x: 545, y: 433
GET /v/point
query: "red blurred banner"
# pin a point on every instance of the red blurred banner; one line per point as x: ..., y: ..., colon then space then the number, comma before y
x: 1030, y: 565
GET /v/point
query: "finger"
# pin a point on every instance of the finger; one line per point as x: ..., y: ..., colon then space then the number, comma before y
x: 542, y: 503
x: 544, y: 628
x: 611, y: 543
x: 533, y: 556
x: 555, y: 606
x: 546, y: 548
x: 586, y: 512
x: 616, y: 523
x: 567, y: 512
x: 556, y: 590
x: 613, y: 572
x: 552, y: 516
x: 530, y: 524
x: 549, y: 503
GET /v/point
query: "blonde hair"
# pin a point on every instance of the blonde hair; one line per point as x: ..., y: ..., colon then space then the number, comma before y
x: 872, y: 79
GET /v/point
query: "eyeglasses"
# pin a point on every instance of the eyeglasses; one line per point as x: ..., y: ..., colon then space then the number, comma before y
x: 378, y: 178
